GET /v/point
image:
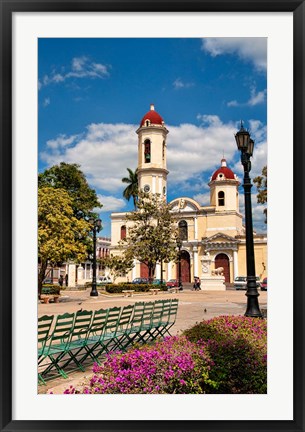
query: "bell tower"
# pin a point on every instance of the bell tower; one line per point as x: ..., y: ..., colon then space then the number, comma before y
x: 152, y: 171
x: 224, y: 189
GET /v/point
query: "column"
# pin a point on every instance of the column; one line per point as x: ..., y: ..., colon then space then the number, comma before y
x: 195, y: 228
x: 71, y: 275
x: 80, y: 275
x: 158, y: 271
x: 235, y: 264
x: 134, y: 270
x: 160, y: 185
x: 195, y: 260
x: 169, y: 270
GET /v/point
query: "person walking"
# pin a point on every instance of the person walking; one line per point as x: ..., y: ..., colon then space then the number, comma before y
x: 61, y: 280
x: 196, y: 285
x: 198, y: 288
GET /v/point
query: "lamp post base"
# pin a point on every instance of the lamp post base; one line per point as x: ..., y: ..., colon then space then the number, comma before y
x: 93, y: 293
x: 252, y: 314
x: 253, y: 309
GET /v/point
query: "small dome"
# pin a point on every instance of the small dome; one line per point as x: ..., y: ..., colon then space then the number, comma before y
x: 225, y: 171
x: 152, y: 117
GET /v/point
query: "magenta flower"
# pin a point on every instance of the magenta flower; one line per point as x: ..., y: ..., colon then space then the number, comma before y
x: 227, y: 354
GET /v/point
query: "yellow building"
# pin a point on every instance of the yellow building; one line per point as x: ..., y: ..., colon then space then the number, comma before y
x: 215, y: 231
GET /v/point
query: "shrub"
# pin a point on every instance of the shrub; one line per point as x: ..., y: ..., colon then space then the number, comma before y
x: 238, y: 348
x: 118, y: 288
x: 50, y: 289
x: 174, y: 365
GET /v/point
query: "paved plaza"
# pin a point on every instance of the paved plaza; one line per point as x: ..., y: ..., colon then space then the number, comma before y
x: 194, y: 306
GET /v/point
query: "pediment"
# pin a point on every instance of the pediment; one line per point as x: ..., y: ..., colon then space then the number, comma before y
x: 219, y: 238
x: 181, y: 205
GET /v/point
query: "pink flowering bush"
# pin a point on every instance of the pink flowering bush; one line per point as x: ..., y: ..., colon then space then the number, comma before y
x: 238, y: 347
x: 174, y: 365
x: 227, y: 354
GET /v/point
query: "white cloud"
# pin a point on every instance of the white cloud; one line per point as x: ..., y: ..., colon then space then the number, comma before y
x: 193, y: 150
x: 258, y: 133
x: 247, y: 48
x: 179, y: 84
x: 111, y: 203
x: 104, y: 151
x: 256, y: 98
x: 258, y: 216
x: 57, y: 78
x: 61, y: 141
x: 258, y: 130
x: 100, y: 69
x: 202, y: 198
x: 233, y: 103
x: 209, y: 120
x: 78, y: 63
x: 81, y: 67
x: 46, y: 102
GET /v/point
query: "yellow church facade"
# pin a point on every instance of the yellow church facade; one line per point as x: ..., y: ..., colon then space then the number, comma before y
x: 215, y: 231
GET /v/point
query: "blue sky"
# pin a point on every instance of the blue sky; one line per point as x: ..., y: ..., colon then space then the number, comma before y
x: 94, y: 92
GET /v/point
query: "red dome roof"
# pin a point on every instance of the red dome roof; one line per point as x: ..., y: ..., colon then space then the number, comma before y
x: 228, y: 174
x: 152, y: 116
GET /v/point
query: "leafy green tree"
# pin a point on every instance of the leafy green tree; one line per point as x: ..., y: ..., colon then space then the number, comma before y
x: 84, y: 199
x: 261, y: 184
x: 117, y: 265
x: 60, y: 233
x: 70, y: 178
x: 132, y: 189
x: 151, y: 235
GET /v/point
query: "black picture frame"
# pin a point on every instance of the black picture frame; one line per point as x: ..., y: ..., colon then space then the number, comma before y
x: 8, y: 7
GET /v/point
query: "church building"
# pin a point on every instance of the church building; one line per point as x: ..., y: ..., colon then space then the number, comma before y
x: 212, y: 236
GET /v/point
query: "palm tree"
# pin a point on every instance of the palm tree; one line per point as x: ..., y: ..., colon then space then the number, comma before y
x: 132, y: 189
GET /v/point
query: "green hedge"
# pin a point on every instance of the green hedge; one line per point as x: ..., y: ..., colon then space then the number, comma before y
x: 118, y: 288
x: 51, y: 289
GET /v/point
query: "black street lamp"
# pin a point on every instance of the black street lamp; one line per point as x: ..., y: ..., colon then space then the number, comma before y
x: 179, y: 246
x: 96, y: 227
x: 245, y: 145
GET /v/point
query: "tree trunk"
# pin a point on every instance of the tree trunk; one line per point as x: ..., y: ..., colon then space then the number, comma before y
x: 151, y: 271
x: 41, y: 276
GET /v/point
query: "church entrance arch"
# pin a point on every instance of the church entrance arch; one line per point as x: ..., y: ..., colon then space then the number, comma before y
x: 222, y: 260
x: 185, y: 267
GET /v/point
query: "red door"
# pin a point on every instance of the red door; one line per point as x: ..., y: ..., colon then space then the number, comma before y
x: 185, y: 267
x: 222, y: 260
